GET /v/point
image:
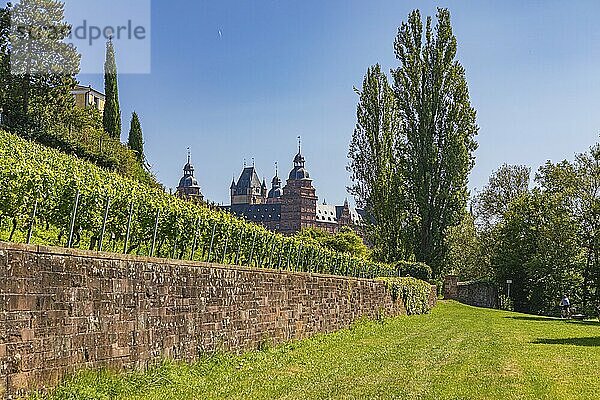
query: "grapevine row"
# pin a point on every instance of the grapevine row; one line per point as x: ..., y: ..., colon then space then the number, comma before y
x: 52, y: 198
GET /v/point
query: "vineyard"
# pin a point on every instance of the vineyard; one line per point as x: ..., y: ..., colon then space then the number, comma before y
x: 51, y: 198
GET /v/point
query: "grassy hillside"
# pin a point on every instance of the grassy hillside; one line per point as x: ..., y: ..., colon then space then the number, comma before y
x: 456, y: 352
x: 82, y: 135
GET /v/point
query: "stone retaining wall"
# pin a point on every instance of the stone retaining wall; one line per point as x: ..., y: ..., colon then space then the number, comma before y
x: 479, y: 294
x: 63, y: 310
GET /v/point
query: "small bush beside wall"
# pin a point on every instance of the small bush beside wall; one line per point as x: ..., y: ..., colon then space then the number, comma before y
x: 413, y: 292
x: 414, y: 269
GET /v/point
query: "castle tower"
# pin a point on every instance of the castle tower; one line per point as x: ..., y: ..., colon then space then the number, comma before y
x: 248, y: 189
x: 276, y: 191
x: 345, y: 216
x: 188, y: 185
x: 299, y: 200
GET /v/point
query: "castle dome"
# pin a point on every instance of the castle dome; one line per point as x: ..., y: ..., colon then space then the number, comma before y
x: 188, y: 181
x: 276, y: 190
x: 275, y: 193
x: 188, y: 184
x: 299, y: 172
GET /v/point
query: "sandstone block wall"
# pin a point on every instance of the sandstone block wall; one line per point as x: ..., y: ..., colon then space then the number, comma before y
x: 63, y: 310
x: 479, y: 294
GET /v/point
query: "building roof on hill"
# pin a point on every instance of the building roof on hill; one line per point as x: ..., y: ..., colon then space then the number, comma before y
x: 80, y: 89
x: 331, y: 214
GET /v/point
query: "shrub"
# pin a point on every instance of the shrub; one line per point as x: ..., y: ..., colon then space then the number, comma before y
x: 413, y: 292
x: 414, y: 269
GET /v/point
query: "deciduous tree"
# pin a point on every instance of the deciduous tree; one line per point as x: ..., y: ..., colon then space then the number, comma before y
x: 438, y: 122
x: 377, y: 172
x: 504, y: 186
x: 38, y: 68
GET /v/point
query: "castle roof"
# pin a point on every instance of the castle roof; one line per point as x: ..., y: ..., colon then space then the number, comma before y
x: 331, y: 214
x: 188, y: 180
x: 299, y: 172
x: 248, y: 180
x: 276, y: 190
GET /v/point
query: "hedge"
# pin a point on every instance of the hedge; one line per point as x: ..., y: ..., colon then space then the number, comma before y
x: 413, y: 292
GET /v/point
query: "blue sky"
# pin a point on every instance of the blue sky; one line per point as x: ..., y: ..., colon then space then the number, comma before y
x: 286, y: 68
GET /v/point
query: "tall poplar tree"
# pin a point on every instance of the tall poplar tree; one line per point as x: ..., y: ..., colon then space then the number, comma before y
x: 376, y: 170
x: 412, y: 149
x: 440, y: 128
x: 112, y: 113
x: 136, y: 140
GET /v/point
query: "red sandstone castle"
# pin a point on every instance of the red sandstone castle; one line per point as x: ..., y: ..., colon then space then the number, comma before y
x: 281, y: 209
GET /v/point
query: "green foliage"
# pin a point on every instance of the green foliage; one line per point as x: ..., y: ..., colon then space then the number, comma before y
x: 38, y: 69
x: 375, y: 168
x: 345, y: 241
x: 413, y: 292
x: 546, y: 240
x: 504, y: 186
x: 466, y: 255
x: 413, y: 269
x: 82, y: 135
x: 438, y: 122
x: 30, y: 172
x: 112, y: 112
x: 505, y: 303
x: 412, y: 149
x: 313, y: 235
x: 136, y: 139
x: 535, y: 245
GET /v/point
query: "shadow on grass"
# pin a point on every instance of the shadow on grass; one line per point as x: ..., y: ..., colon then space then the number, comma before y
x: 534, y: 318
x: 580, y: 341
x: 553, y: 319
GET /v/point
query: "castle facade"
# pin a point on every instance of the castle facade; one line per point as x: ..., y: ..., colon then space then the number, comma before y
x: 284, y: 209
x: 290, y: 208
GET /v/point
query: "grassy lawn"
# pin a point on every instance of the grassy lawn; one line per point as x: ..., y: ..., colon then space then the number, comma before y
x: 456, y: 352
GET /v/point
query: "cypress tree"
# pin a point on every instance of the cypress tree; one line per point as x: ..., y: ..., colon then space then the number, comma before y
x: 112, y: 113
x: 136, y: 140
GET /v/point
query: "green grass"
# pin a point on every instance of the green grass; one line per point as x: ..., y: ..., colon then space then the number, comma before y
x: 456, y: 352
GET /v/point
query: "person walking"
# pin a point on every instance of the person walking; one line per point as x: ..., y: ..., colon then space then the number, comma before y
x: 565, y: 305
